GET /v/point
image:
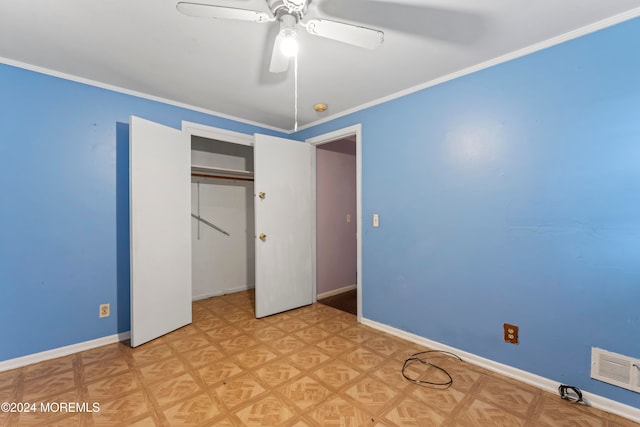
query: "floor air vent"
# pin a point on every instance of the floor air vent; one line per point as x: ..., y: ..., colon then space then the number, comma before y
x: 616, y: 369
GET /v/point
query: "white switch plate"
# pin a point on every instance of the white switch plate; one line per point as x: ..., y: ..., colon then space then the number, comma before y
x: 348, y: 217
x: 376, y: 220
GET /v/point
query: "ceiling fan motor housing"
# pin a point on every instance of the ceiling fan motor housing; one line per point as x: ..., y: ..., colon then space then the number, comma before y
x: 296, y: 8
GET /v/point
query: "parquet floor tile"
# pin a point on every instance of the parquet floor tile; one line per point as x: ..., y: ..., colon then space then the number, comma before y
x: 277, y: 372
x: 173, y: 389
x: 193, y: 412
x: 371, y: 393
x: 363, y: 358
x: 217, y: 372
x: 255, y: 356
x: 49, y: 385
x: 410, y: 412
x: 123, y: 408
x: 203, y: 356
x: 268, y: 411
x: 337, y: 373
x: 313, y: 366
x: 305, y: 392
x: 339, y: 412
x: 113, y: 386
x: 104, y: 368
x: 480, y: 414
x: 236, y: 391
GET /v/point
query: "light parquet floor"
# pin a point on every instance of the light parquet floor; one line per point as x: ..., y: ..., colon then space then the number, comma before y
x: 314, y: 366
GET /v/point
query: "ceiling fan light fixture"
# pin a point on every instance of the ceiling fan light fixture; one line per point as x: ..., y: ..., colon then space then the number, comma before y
x: 289, y: 43
x: 288, y: 36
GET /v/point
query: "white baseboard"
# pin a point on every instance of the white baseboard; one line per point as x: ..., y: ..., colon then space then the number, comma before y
x: 29, y: 359
x: 220, y: 293
x: 543, y: 383
x: 337, y: 291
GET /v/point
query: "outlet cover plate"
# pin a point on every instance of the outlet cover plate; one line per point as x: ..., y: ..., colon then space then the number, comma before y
x: 510, y: 333
x: 105, y: 310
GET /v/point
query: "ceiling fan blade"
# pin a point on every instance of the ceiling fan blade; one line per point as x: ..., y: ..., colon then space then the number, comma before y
x: 279, y: 61
x: 220, y: 12
x: 346, y: 33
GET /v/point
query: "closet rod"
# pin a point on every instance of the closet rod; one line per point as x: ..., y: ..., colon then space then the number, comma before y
x: 209, y: 224
x: 221, y: 177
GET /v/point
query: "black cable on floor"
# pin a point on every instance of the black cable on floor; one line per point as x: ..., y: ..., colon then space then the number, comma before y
x: 415, y: 358
x: 570, y: 393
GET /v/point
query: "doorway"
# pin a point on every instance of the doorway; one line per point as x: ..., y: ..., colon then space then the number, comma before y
x: 337, y: 164
x: 336, y: 224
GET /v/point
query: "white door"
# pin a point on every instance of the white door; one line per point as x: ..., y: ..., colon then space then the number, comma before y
x: 160, y: 202
x: 283, y: 218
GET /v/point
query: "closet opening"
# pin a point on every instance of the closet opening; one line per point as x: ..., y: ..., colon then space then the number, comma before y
x: 222, y: 217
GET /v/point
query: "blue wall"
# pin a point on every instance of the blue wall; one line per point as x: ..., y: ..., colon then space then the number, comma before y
x: 512, y: 195
x: 64, y: 212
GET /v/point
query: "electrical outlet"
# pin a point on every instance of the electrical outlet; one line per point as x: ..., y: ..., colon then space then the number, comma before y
x: 510, y: 333
x: 105, y: 310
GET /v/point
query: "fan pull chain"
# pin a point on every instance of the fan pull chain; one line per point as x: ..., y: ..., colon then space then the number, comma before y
x: 295, y: 92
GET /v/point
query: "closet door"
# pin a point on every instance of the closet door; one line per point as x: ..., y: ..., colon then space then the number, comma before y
x: 160, y: 221
x: 283, y: 224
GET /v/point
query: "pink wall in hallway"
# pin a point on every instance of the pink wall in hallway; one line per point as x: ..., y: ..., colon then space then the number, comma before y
x: 336, y: 198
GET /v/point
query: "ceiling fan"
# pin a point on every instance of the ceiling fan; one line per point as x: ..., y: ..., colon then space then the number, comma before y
x: 289, y: 14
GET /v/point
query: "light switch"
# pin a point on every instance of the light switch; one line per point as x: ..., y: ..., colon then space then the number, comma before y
x: 348, y: 217
x: 376, y: 221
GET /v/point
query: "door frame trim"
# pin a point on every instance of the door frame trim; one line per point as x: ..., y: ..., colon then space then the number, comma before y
x: 315, y: 142
x: 212, y: 132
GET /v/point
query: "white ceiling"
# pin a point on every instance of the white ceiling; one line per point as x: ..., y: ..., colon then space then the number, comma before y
x: 146, y: 46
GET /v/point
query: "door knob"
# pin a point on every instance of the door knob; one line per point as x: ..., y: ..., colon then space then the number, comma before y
x: 262, y: 237
x: 262, y: 194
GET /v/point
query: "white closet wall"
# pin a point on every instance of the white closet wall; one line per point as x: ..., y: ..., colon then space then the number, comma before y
x: 222, y: 263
